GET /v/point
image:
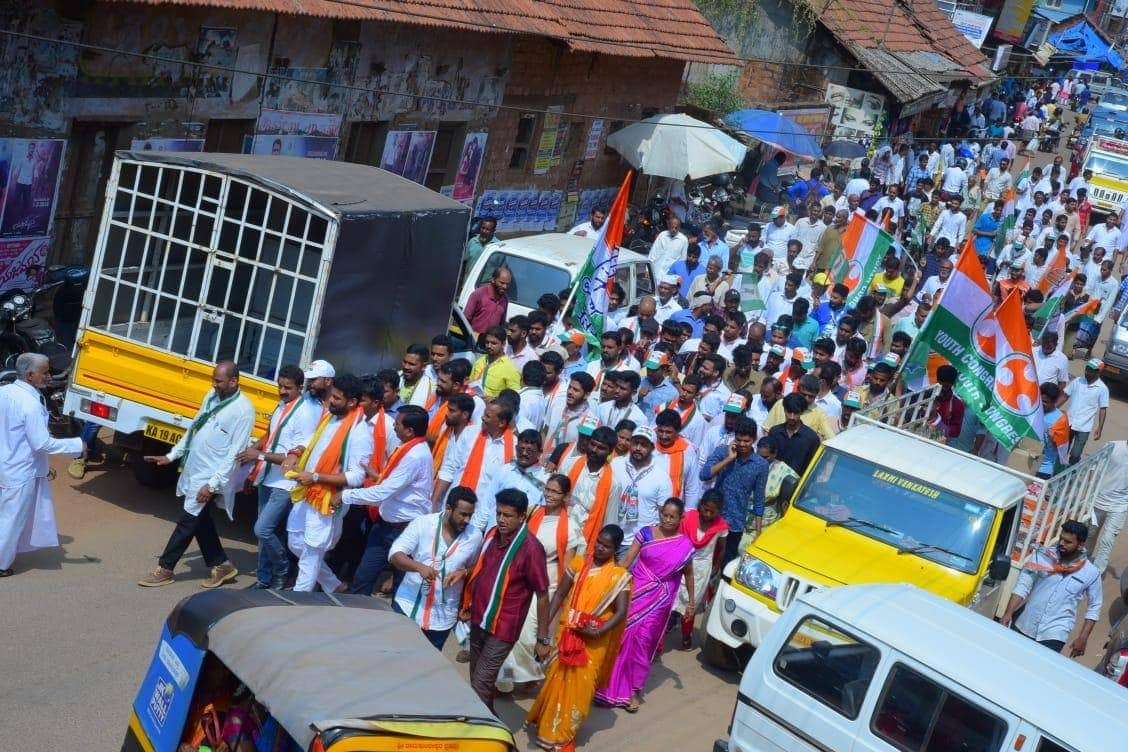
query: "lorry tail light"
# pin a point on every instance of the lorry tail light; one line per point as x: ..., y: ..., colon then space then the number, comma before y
x: 98, y: 409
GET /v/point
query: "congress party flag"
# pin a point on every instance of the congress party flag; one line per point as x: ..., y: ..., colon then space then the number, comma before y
x: 592, y: 290
x: 864, y: 246
x: 1015, y: 408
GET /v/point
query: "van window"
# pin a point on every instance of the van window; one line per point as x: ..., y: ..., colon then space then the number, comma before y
x: 1048, y: 745
x: 531, y: 278
x: 918, y: 715
x: 831, y: 666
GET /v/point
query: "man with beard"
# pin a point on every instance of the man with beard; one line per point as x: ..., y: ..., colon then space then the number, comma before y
x: 334, y: 458
x: 517, y: 347
x: 741, y: 476
x: 797, y: 442
x: 1050, y: 588
x: 221, y: 428
x: 415, y: 386
x: 524, y: 473
x: 877, y: 387
x: 646, y: 485
x: 318, y: 378
x: 434, y: 572
x: 563, y: 419
x: 595, y: 488
x: 744, y: 374
x: 622, y: 405
x: 770, y: 392
x: 485, y: 449
x: 680, y: 455
x: 450, y: 434
x: 591, y: 228
x: 400, y: 493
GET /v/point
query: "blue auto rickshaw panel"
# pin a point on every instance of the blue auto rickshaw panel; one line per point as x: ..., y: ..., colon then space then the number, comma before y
x: 165, y: 696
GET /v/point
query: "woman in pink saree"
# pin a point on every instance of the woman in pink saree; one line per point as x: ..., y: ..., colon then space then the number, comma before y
x: 660, y: 556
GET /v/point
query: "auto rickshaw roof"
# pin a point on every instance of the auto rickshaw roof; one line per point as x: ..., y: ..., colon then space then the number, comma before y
x: 320, y: 662
x: 344, y: 188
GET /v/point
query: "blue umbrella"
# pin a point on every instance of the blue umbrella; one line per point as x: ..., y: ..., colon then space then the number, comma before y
x: 776, y: 130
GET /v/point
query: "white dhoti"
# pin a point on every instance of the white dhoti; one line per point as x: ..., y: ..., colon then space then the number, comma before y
x: 309, y: 535
x: 27, y: 520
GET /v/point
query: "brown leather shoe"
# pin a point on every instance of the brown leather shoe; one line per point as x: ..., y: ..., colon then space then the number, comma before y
x: 156, y: 578
x: 225, y: 572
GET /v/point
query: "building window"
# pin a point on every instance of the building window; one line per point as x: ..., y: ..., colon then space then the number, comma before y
x: 366, y: 142
x: 829, y: 665
x: 915, y: 714
x: 523, y: 143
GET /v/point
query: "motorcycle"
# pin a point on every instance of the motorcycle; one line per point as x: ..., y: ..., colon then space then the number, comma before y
x: 22, y: 331
x: 648, y: 222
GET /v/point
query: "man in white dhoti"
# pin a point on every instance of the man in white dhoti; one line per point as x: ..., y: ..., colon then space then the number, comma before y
x: 27, y: 517
x: 334, y: 458
x: 221, y: 429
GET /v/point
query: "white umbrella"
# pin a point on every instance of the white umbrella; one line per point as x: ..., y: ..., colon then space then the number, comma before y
x: 673, y: 146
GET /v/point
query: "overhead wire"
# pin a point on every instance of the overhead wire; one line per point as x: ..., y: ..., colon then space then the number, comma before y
x: 268, y: 74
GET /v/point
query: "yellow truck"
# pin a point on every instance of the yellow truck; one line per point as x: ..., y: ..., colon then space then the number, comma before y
x: 1107, y: 157
x: 881, y: 503
x: 264, y: 260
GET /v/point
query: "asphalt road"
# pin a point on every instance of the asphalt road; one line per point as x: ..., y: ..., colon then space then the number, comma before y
x: 76, y: 633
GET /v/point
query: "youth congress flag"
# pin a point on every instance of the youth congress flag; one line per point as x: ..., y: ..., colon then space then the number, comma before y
x: 1015, y: 408
x: 864, y: 246
x: 593, y: 285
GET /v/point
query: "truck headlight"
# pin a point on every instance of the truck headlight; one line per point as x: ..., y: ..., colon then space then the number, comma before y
x: 758, y: 576
x: 1120, y: 348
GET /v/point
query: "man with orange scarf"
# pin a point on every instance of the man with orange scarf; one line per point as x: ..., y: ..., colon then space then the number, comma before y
x: 482, y: 451
x: 681, y: 457
x: 595, y: 488
x: 400, y: 493
x: 450, y: 380
x: 448, y: 436
x: 335, y: 457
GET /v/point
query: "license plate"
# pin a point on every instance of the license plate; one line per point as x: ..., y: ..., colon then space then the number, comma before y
x: 1111, y: 369
x: 163, y: 432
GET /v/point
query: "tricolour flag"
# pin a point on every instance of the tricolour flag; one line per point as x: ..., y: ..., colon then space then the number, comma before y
x: 1014, y: 410
x: 1058, y: 432
x: 962, y: 330
x: 1088, y: 308
x: 1048, y: 312
x: 592, y: 291
x: 864, y: 246
x: 1055, y: 273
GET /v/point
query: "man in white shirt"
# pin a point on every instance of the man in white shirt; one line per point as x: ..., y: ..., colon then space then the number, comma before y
x: 517, y: 347
x: 524, y: 473
x: 27, y: 517
x: 954, y: 181
x: 1105, y: 235
x: 1079, y: 182
x: 335, y: 458
x: 1024, y: 191
x: 436, y: 553
x: 1050, y: 588
x: 809, y: 231
x: 219, y: 431
x: 777, y: 233
x: 669, y: 247
x: 667, y: 304
x: 481, y: 452
x: 1050, y: 363
x: 416, y: 387
x: 1110, y: 507
x: 999, y: 181
x: 591, y: 228
x: 682, y: 463
x: 1104, y: 288
x: 893, y: 202
x: 291, y: 426
x: 645, y: 483
x: 400, y: 494
x: 622, y: 405
x: 1088, y: 405
x: 951, y: 224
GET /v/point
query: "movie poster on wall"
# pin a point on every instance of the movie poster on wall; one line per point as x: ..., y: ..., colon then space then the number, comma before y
x: 856, y: 113
x: 408, y: 153
x: 469, y: 166
x: 16, y: 256
x: 167, y: 144
x: 311, y: 135
x: 31, y: 169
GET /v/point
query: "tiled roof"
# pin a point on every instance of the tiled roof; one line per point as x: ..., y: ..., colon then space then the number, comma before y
x: 883, y: 33
x: 669, y: 29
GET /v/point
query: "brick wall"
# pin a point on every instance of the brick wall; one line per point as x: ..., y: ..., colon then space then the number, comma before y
x: 546, y: 74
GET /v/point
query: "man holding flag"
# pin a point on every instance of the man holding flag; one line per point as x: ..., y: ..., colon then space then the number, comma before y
x: 591, y: 293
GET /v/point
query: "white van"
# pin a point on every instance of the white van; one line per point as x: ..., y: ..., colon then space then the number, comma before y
x: 893, y: 668
x: 550, y: 263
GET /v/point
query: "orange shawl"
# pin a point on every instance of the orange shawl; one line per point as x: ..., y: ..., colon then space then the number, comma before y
x: 379, y: 446
x: 594, y: 522
x: 676, y: 454
x: 535, y: 520
x: 473, y: 470
x: 318, y: 495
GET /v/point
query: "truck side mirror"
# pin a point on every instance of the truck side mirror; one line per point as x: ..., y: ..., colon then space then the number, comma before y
x: 787, y: 488
x: 999, y: 569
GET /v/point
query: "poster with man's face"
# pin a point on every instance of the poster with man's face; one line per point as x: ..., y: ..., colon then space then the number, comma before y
x: 32, y: 186
x: 469, y: 165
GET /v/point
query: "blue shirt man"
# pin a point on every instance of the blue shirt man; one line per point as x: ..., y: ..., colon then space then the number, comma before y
x: 741, y: 475
x: 687, y: 269
x: 988, y: 223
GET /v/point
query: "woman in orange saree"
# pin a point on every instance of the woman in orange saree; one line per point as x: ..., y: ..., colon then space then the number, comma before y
x: 594, y: 595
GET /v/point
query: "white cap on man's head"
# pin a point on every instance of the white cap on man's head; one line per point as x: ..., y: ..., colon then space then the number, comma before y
x: 320, y: 369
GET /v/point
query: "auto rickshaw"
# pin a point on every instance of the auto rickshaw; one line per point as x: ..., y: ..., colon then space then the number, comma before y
x: 266, y: 671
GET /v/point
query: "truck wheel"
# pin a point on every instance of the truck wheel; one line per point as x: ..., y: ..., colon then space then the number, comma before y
x: 717, y: 654
x: 150, y: 475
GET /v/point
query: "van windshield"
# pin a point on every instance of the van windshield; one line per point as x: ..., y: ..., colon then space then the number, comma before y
x: 1107, y: 164
x: 531, y: 278
x: 897, y: 509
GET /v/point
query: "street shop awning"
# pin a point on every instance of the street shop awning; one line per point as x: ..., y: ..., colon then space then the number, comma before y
x: 1083, y: 42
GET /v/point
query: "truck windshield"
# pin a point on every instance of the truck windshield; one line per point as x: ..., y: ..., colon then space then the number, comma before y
x: 916, y: 518
x: 1106, y: 164
x: 531, y: 278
